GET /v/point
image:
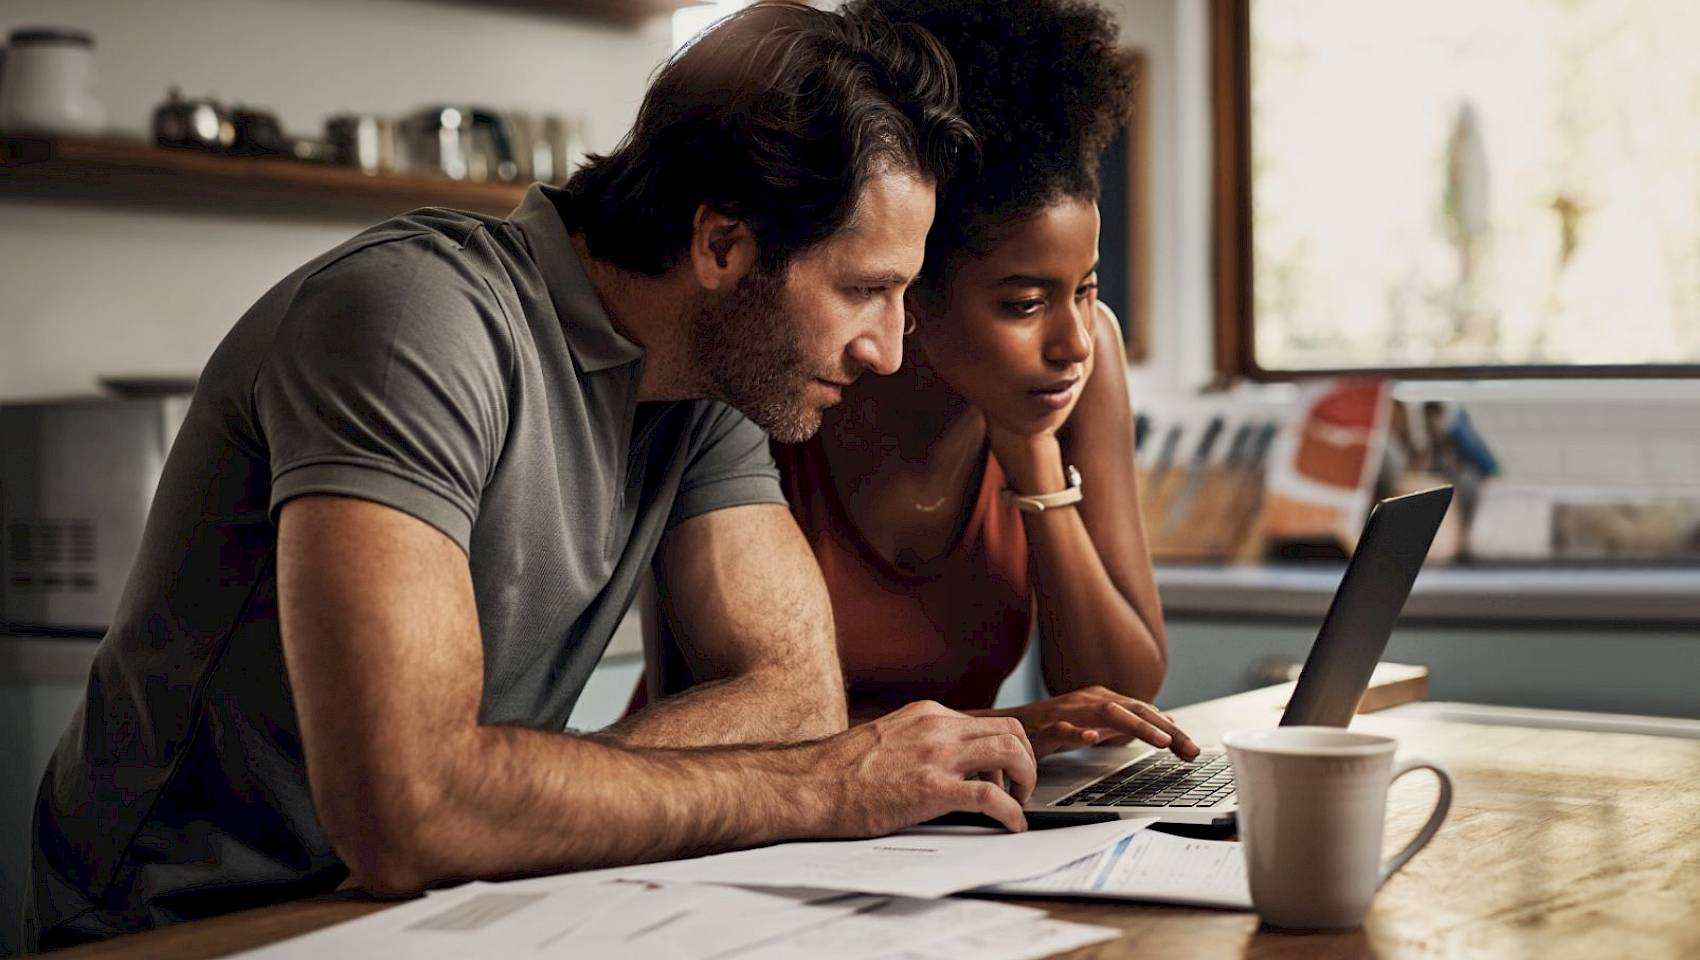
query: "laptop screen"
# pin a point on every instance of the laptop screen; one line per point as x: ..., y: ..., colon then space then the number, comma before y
x: 1360, y: 619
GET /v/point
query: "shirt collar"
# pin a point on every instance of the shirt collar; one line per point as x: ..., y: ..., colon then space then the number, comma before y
x: 589, y: 332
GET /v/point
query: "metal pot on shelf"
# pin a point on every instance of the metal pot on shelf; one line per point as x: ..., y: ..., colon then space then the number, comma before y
x: 544, y: 144
x: 365, y: 141
x: 198, y: 124
x: 461, y: 143
x: 258, y: 133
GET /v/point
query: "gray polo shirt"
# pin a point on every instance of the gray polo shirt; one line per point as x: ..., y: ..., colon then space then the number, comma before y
x: 454, y: 367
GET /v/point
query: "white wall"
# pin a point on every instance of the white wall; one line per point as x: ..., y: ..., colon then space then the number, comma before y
x: 1175, y: 37
x: 85, y: 291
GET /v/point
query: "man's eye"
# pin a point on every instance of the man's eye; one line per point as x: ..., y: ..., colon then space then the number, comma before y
x: 869, y: 293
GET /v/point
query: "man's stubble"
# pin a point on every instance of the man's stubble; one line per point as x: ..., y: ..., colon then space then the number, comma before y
x: 752, y: 356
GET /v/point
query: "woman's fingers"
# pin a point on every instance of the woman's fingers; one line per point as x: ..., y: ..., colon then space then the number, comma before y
x: 1099, y: 716
x: 1121, y: 718
x: 1073, y: 733
x: 1136, y: 718
x: 1179, y: 742
x: 1060, y: 735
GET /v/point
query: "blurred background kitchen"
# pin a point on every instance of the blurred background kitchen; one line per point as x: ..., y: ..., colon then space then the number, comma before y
x: 1358, y: 247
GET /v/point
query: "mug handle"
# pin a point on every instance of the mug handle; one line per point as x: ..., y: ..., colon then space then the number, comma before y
x: 1426, y: 834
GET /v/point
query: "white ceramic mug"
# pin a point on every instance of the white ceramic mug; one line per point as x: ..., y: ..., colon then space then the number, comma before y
x: 1312, y: 807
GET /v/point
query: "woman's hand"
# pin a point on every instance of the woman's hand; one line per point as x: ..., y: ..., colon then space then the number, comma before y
x: 1095, y: 716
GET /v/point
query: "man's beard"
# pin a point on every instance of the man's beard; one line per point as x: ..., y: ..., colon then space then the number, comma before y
x: 747, y: 343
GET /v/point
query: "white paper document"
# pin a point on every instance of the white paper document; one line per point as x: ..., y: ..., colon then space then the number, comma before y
x: 1151, y: 866
x: 683, y: 921
x: 923, y: 862
x: 853, y: 900
x: 478, y: 919
x: 650, y: 920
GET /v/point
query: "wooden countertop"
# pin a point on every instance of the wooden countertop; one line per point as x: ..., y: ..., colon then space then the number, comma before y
x: 1560, y: 844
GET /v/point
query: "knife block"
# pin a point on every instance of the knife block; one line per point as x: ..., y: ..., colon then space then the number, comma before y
x: 1215, y: 526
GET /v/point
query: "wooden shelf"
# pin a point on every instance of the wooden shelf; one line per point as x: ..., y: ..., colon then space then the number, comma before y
x: 628, y: 13
x: 129, y: 174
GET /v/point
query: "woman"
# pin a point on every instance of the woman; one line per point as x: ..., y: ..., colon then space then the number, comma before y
x: 1012, y: 375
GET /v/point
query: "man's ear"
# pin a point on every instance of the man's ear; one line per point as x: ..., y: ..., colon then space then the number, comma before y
x: 722, y: 249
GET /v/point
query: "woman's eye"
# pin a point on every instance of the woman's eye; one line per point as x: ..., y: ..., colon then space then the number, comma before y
x: 1086, y: 290
x: 1023, y: 308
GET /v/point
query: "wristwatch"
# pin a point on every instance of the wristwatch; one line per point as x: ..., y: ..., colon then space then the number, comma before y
x: 1040, y: 502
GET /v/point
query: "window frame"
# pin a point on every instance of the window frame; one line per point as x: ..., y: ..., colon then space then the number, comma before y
x: 1134, y: 313
x: 1234, y: 341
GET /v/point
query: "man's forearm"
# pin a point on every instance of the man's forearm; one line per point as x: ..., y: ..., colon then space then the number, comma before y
x: 742, y: 616
x: 772, y: 705
x: 511, y: 801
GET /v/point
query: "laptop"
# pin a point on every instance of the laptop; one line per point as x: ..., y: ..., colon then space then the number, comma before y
x: 1139, y: 780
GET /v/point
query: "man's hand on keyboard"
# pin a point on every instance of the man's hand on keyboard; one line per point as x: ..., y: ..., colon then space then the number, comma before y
x: 913, y: 764
x: 1096, y: 716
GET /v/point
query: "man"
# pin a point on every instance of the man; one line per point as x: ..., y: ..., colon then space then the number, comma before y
x: 421, y: 477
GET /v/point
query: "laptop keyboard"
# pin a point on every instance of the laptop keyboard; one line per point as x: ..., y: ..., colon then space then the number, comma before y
x: 1160, y: 780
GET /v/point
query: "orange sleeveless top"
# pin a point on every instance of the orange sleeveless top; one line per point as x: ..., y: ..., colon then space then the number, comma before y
x: 951, y: 632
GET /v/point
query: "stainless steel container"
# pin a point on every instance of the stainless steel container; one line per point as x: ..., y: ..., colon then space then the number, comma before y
x: 461, y: 143
x: 363, y: 140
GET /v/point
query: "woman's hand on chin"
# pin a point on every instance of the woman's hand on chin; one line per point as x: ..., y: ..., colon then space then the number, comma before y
x: 1096, y: 716
x: 1032, y: 462
x: 1032, y: 458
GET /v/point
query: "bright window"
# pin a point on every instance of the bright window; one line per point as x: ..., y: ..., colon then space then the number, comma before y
x: 1467, y: 183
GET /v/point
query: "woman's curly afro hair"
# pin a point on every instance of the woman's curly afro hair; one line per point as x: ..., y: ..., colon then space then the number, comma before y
x: 1045, y: 86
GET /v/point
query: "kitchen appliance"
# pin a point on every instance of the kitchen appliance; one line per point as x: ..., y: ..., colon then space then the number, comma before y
x: 76, y: 483
x: 48, y: 86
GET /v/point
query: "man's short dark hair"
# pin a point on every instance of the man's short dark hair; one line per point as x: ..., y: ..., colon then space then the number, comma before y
x: 777, y: 116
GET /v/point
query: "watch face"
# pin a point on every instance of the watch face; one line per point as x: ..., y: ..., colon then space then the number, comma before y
x: 1073, y: 476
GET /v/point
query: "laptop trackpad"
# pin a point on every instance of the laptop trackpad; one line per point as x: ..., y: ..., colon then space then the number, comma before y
x: 1091, y: 760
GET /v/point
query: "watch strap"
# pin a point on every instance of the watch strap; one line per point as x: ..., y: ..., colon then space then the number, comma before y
x: 1040, y: 502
